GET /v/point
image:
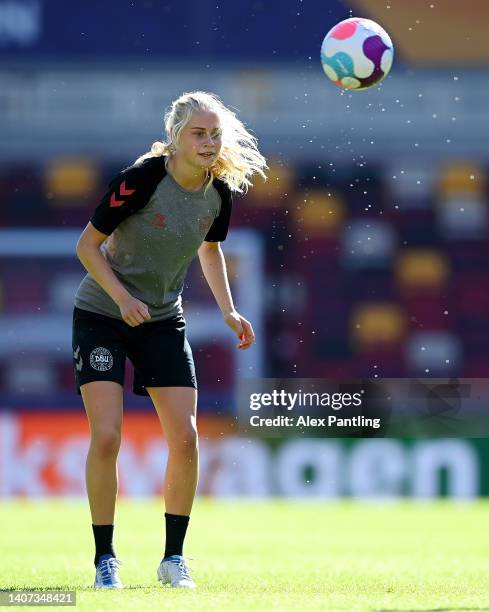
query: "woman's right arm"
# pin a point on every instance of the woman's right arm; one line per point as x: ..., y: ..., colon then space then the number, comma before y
x: 133, y: 311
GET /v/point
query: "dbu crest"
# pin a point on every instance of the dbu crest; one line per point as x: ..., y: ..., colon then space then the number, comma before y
x: 101, y: 359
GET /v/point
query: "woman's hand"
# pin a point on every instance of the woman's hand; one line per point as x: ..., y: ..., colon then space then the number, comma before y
x: 242, y: 329
x: 133, y: 311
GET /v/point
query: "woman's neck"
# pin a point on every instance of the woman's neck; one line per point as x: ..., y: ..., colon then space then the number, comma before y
x: 186, y: 176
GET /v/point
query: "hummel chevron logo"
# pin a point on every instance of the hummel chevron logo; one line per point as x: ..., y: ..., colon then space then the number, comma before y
x: 124, y: 192
x: 78, y: 364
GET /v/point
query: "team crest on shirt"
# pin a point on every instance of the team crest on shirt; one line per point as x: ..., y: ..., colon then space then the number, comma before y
x: 159, y: 221
x: 101, y: 359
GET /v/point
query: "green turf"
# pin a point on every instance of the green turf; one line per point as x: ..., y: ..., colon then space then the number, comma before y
x: 262, y: 555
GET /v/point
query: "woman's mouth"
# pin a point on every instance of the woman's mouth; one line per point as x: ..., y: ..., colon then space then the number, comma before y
x: 207, y: 155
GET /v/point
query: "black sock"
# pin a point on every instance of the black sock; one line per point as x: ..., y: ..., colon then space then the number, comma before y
x: 176, y: 528
x: 103, y: 541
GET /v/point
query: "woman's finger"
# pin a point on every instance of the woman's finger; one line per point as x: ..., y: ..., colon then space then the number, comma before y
x: 145, y: 314
x: 249, y: 335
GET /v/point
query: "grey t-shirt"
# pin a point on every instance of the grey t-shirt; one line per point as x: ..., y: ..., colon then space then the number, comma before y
x: 151, y: 249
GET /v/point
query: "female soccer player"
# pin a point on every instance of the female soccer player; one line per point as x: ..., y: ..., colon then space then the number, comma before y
x: 174, y: 202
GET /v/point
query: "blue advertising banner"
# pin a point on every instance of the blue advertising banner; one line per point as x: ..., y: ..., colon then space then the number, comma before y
x: 203, y: 29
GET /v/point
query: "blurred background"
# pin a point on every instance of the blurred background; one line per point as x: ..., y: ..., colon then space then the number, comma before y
x: 365, y: 254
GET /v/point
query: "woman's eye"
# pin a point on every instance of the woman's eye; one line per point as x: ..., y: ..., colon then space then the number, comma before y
x: 215, y: 135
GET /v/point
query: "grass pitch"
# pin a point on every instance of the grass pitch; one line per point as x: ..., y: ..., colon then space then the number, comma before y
x: 261, y: 555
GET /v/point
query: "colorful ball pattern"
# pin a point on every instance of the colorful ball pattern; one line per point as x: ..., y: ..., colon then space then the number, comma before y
x: 357, y: 53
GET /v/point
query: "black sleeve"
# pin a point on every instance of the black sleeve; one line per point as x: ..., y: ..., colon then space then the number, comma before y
x: 124, y: 197
x: 219, y: 228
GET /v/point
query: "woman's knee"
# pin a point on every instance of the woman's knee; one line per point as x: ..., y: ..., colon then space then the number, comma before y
x: 106, y: 443
x: 184, y: 441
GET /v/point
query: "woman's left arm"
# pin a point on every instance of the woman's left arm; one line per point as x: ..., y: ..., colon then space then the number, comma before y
x: 214, y: 268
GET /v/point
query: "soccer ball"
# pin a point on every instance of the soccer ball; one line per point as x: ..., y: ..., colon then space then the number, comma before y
x: 357, y: 53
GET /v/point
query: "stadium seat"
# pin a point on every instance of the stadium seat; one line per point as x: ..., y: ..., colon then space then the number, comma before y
x: 22, y: 199
x: 70, y: 181
x: 409, y: 186
x: 474, y: 333
x: 462, y: 216
x: 376, y: 324
x: 428, y: 311
x: 367, y: 284
x: 421, y: 280
x: 461, y: 178
x: 277, y: 186
x: 318, y: 213
x: 214, y: 364
x: 468, y: 257
x: 421, y: 270
x: 368, y: 243
x: 436, y: 353
x: 417, y: 228
x: 73, y: 190
x: 377, y: 331
x: 469, y: 294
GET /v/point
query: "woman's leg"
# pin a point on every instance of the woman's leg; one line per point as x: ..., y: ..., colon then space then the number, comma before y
x: 177, y: 408
x: 103, y: 404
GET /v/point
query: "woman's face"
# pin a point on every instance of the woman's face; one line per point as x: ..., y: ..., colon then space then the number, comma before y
x: 201, y: 136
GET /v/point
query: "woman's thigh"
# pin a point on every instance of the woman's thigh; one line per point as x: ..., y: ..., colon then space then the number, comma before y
x: 103, y: 401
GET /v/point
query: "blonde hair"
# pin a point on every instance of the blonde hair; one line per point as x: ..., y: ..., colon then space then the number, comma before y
x: 239, y: 158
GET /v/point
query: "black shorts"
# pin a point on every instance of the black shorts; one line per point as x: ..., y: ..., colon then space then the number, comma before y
x: 158, y: 350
